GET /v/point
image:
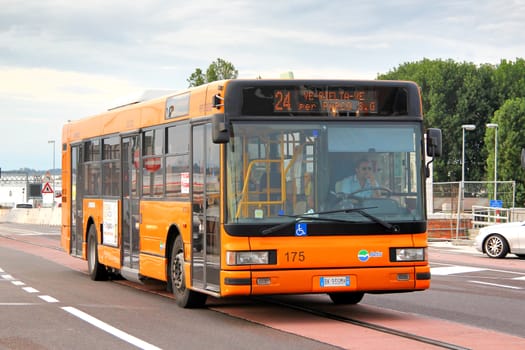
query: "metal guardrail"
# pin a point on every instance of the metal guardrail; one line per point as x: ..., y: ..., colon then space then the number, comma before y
x: 485, y: 216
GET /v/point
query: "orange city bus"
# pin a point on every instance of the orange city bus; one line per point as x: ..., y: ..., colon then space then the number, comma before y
x: 250, y: 187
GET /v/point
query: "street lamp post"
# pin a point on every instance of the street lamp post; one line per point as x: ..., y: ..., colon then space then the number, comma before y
x: 53, y: 142
x: 495, y: 126
x: 468, y: 127
x: 464, y: 127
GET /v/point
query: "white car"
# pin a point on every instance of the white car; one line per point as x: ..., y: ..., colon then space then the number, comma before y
x: 501, y: 239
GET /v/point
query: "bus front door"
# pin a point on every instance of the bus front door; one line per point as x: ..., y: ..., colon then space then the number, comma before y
x: 76, y: 201
x: 205, y: 262
x: 130, y: 204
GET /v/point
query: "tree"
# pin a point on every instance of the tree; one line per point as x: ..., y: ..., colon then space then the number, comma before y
x: 511, y: 139
x: 454, y: 94
x: 196, y: 78
x: 218, y: 70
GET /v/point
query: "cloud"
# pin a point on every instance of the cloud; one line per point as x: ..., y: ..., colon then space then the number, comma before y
x: 37, y: 86
x: 63, y: 59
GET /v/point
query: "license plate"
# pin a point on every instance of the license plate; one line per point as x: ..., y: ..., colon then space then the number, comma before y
x: 335, y: 281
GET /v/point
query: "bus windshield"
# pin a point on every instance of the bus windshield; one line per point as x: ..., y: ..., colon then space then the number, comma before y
x: 281, y: 169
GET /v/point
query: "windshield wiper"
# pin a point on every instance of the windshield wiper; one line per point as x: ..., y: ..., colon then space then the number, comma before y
x: 389, y: 227
x: 298, y: 218
x: 310, y: 216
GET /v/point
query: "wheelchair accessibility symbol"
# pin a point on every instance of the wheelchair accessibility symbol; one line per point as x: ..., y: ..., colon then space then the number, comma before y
x: 300, y: 229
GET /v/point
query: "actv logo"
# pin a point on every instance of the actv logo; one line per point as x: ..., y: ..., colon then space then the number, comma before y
x: 364, y: 255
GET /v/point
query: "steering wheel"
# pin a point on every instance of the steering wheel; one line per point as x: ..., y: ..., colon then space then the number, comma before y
x: 386, y: 192
x: 342, y: 200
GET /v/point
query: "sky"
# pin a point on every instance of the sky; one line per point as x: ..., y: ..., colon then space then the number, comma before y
x: 62, y: 60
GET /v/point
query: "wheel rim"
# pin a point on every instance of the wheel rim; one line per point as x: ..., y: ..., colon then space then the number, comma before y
x: 494, y: 246
x: 178, y: 271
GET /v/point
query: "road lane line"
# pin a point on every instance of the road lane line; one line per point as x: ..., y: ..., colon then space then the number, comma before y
x: 109, y: 329
x: 30, y: 290
x: 451, y: 270
x: 48, y: 298
x: 8, y: 277
x: 522, y: 278
x: 18, y: 283
x: 496, y: 285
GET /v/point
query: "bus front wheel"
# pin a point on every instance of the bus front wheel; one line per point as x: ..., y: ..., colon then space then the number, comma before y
x: 96, y: 270
x: 183, y: 296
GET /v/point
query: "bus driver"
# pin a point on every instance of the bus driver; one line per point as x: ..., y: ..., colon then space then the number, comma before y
x: 362, y: 180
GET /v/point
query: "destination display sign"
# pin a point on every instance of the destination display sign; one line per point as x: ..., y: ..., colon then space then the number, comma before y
x: 330, y: 100
x: 324, y: 100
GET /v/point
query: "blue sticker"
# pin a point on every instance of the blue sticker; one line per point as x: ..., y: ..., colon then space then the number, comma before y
x: 300, y: 229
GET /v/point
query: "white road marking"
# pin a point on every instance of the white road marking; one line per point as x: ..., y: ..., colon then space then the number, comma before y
x: 496, y: 285
x: 522, y: 278
x: 18, y: 283
x: 451, y: 270
x: 48, y: 298
x: 30, y: 290
x: 109, y: 329
x: 8, y: 277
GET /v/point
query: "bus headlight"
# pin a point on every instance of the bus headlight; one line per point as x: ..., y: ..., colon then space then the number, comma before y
x: 407, y: 254
x: 260, y: 257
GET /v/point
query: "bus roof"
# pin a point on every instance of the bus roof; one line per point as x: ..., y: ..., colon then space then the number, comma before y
x: 152, y: 107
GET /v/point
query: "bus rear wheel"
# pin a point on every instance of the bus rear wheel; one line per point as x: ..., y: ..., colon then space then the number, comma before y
x: 96, y: 270
x: 183, y: 296
x: 346, y: 297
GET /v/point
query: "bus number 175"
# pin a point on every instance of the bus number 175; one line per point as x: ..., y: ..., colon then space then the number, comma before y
x: 295, y: 256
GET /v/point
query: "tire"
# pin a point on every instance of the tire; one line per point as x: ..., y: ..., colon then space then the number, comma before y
x: 495, y: 246
x: 96, y: 270
x: 183, y: 296
x: 349, y: 298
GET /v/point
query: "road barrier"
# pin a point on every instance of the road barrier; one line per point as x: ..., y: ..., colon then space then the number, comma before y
x: 37, y: 216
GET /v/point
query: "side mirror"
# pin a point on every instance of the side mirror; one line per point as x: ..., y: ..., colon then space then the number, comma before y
x: 434, y: 144
x: 220, y: 131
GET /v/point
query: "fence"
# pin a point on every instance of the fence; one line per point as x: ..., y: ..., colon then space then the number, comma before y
x: 453, y: 216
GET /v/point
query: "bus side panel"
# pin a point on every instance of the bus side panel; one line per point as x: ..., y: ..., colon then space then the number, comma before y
x: 109, y: 256
x: 153, y: 266
x: 157, y: 218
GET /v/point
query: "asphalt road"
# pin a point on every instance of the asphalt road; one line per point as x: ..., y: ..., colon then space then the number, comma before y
x: 45, y: 305
x: 47, y: 302
x: 469, y: 288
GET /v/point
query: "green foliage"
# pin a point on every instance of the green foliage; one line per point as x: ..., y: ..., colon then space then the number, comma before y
x: 196, y: 78
x: 511, y: 139
x: 218, y: 70
x: 463, y: 93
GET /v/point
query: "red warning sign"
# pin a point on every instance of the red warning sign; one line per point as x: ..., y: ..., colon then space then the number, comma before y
x: 47, y: 188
